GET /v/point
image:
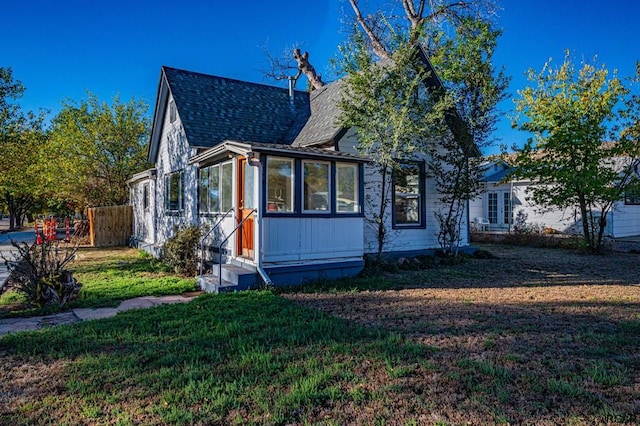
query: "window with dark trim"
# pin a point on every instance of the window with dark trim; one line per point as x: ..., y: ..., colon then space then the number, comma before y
x: 347, y: 188
x: 312, y: 187
x: 316, y: 184
x: 145, y: 196
x: 280, y: 184
x: 408, y: 195
x: 173, y: 190
x: 632, y: 198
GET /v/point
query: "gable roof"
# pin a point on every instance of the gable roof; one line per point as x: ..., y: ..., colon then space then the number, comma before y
x: 213, y: 109
x: 322, y: 125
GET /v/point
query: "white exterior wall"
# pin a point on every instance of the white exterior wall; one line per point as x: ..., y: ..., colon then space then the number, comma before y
x: 300, y: 239
x: 567, y: 221
x: 143, y: 219
x: 173, y: 154
x: 398, y: 240
x: 625, y: 220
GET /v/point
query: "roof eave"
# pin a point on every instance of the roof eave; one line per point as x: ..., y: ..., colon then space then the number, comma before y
x: 158, y: 117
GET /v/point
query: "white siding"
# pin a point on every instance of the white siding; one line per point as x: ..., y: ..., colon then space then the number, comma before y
x: 143, y: 219
x: 173, y: 154
x: 402, y: 239
x: 625, y: 220
x: 297, y: 239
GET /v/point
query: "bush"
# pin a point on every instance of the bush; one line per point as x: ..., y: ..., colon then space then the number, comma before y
x: 40, y: 274
x: 180, y: 252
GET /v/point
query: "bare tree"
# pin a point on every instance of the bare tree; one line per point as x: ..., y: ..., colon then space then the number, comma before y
x: 384, y: 29
x: 292, y: 60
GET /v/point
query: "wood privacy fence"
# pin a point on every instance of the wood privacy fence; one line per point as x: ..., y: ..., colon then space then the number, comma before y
x: 110, y: 226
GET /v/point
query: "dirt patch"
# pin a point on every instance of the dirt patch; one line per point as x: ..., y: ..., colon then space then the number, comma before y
x: 537, y: 336
x: 26, y: 380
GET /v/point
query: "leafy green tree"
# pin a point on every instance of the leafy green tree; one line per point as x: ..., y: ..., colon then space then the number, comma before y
x: 22, y: 137
x: 571, y: 113
x: 459, y: 38
x: 470, y: 78
x: 99, y: 147
x: 387, y: 106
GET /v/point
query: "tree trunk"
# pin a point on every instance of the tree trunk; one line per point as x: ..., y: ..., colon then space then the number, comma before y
x: 305, y: 67
x: 382, y: 231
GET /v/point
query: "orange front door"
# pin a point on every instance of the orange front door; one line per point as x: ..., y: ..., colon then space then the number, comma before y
x: 245, y: 208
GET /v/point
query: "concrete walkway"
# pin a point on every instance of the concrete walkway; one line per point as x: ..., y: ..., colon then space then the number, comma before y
x: 14, y: 325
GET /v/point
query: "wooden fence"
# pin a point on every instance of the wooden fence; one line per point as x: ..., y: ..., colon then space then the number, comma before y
x: 110, y: 226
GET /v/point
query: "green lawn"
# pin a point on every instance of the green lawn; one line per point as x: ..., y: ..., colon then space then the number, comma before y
x: 250, y: 358
x: 538, y: 336
x: 108, y: 276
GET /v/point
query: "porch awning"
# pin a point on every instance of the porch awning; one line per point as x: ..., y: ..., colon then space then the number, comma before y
x: 245, y: 148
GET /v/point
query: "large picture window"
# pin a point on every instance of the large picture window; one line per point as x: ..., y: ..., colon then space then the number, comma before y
x: 347, y: 188
x: 174, y: 187
x: 408, y: 195
x: 280, y: 173
x: 315, y: 189
x: 215, y: 188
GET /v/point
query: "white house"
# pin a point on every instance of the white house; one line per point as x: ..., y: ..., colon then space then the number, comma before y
x: 277, y: 181
x: 504, y: 198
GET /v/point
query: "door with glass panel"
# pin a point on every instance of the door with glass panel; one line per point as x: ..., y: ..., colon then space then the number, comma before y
x: 499, y: 208
x: 245, y: 208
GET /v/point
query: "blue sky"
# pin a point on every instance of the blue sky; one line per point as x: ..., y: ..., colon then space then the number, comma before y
x: 64, y: 48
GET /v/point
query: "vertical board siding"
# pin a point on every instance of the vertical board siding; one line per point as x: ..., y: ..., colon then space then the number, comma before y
x: 110, y: 226
x: 311, y: 239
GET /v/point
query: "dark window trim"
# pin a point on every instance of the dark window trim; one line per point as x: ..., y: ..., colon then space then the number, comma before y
x: 422, y: 189
x: 297, y: 189
x: 180, y: 210
x: 145, y: 197
x: 632, y: 199
x: 331, y: 188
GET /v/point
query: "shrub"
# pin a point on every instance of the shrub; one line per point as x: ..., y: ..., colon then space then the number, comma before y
x: 40, y: 273
x: 180, y: 251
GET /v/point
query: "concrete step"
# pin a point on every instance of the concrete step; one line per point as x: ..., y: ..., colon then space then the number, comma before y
x: 211, y: 284
x: 234, y: 278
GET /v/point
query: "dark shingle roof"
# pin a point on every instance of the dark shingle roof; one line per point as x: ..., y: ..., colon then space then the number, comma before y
x: 322, y: 125
x: 214, y: 109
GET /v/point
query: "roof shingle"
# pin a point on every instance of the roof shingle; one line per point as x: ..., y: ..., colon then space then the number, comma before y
x: 214, y: 109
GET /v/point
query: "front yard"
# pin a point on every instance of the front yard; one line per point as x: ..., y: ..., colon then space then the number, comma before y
x: 537, y: 336
x: 108, y: 276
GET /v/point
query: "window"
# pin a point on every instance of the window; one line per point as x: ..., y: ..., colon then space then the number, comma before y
x: 316, y: 196
x: 145, y: 196
x: 203, y: 190
x: 226, y: 186
x: 632, y: 198
x: 173, y: 114
x: 312, y: 187
x: 215, y: 188
x: 347, y: 188
x: 408, y: 193
x: 280, y: 172
x: 173, y: 187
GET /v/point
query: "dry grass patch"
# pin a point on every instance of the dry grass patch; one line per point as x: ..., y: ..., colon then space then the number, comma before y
x: 538, y: 336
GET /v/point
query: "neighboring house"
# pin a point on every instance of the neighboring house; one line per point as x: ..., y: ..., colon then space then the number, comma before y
x: 226, y: 150
x: 504, y: 198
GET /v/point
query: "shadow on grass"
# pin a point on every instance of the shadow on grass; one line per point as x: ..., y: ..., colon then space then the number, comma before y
x: 515, y: 362
x: 251, y: 356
